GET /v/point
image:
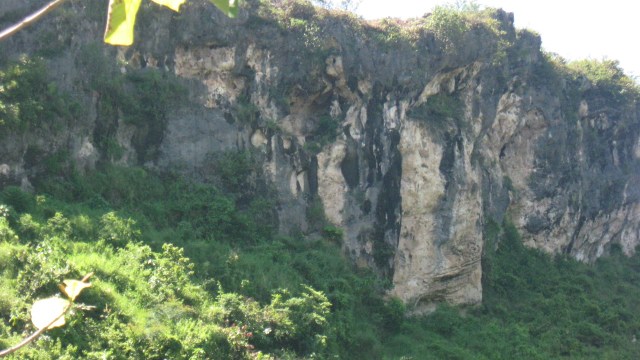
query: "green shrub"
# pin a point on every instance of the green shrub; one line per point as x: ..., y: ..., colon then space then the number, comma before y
x: 334, y: 234
x: 393, y: 314
x: 42, y: 266
x: 325, y: 133
x: 298, y: 323
x: 549, y: 72
x: 449, y: 24
x: 534, y: 307
x: 83, y: 228
x: 6, y: 233
x: 58, y: 226
x: 309, y: 31
x: 236, y: 172
x: 438, y: 109
x: 118, y: 231
x: 19, y: 200
x: 28, y: 227
x: 141, y: 97
x: 28, y: 100
x: 246, y: 112
x: 154, y: 93
x: 316, y: 217
x: 608, y: 78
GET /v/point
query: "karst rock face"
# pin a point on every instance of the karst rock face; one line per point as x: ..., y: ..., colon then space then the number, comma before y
x: 409, y: 144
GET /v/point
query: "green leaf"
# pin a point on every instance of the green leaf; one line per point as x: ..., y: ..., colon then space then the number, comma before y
x: 44, y: 311
x: 171, y: 4
x: 121, y: 20
x: 228, y: 7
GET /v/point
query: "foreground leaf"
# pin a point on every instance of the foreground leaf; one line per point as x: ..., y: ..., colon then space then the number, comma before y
x: 228, y: 7
x: 171, y: 4
x: 72, y: 288
x: 45, y: 311
x: 121, y: 20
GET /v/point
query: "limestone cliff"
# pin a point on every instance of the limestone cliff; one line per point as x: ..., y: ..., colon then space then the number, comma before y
x: 409, y: 142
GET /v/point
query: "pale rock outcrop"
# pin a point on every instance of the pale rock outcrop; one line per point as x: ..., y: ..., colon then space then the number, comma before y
x: 212, y: 67
x: 427, y: 267
x: 332, y: 186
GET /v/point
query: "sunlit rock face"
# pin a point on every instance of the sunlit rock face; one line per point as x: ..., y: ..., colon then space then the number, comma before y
x: 410, y: 145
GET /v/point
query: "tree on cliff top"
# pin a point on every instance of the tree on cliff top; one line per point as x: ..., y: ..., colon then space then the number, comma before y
x: 346, y: 5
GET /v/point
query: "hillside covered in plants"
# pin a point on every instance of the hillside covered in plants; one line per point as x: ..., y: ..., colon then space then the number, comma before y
x: 189, y: 271
x: 300, y: 183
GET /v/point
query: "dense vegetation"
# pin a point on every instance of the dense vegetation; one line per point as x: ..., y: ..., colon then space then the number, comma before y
x: 181, y: 271
x: 534, y: 307
x: 186, y: 271
x: 28, y: 101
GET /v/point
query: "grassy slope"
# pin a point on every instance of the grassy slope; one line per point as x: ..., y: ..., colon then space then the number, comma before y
x: 153, y: 301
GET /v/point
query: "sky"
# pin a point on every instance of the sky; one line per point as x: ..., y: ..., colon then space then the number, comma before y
x: 573, y: 29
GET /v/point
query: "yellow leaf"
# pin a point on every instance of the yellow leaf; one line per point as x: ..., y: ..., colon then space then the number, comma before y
x: 171, y: 4
x: 72, y: 288
x: 44, y: 311
x: 121, y: 20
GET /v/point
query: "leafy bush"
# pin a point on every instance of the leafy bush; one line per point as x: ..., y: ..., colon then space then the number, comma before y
x: 438, y: 109
x: 57, y: 226
x: 118, y: 231
x: 153, y: 94
x: 315, y: 214
x: 289, y: 322
x: 19, y: 200
x: 325, y: 133
x: 6, y: 233
x: 27, y: 98
x: 549, y: 72
x: 309, y: 31
x: 333, y: 233
x: 607, y: 76
x: 141, y: 97
x: 247, y: 112
x: 236, y: 172
x: 449, y: 24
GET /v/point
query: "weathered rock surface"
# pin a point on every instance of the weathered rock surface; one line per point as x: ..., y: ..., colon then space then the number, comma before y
x: 409, y: 147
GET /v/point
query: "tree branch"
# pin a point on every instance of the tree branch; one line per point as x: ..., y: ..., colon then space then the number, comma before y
x: 30, y: 19
x: 35, y: 335
x: 40, y: 331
